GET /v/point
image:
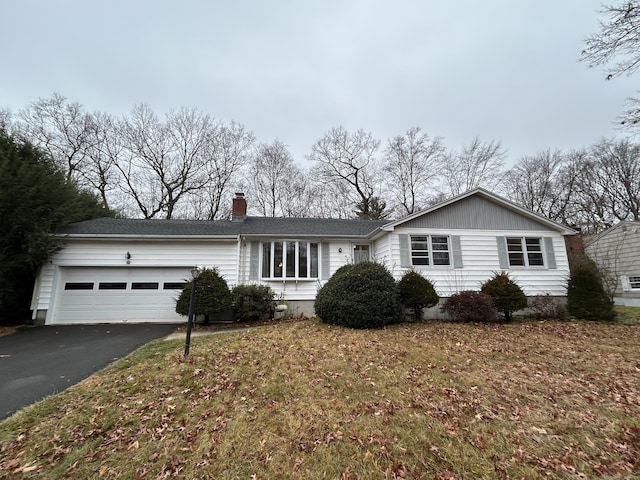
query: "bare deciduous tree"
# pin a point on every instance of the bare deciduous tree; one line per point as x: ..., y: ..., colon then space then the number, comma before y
x: 228, y: 151
x: 615, y: 171
x: 412, y: 163
x: 349, y: 159
x: 166, y: 159
x: 103, y: 152
x: 544, y: 183
x: 617, y: 44
x: 478, y: 164
x: 60, y: 128
x: 277, y: 183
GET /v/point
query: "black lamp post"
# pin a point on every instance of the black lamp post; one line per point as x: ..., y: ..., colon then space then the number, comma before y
x: 194, y: 274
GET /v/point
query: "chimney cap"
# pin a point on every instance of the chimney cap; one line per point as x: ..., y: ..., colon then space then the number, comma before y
x: 239, y: 194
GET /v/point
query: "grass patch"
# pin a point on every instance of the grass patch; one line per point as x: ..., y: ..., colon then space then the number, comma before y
x: 306, y: 400
x: 627, y: 315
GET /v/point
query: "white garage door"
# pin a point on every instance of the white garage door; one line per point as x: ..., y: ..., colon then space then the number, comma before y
x: 109, y: 295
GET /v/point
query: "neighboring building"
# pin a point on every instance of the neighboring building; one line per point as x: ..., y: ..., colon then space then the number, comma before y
x: 617, y: 253
x: 115, y: 270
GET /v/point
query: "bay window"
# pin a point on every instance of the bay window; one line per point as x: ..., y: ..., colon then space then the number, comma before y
x: 290, y: 259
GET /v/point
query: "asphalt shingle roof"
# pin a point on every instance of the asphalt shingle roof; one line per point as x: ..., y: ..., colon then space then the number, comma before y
x: 249, y: 226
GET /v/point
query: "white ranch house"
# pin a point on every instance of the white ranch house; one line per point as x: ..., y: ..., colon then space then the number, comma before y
x: 130, y: 270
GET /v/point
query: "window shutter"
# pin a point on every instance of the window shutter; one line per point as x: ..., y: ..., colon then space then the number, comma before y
x: 456, y: 251
x: 502, y: 252
x: 626, y: 286
x: 254, y: 259
x: 325, y: 261
x: 405, y: 256
x: 548, y: 250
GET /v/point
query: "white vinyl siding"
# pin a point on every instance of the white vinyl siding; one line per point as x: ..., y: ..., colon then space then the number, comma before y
x: 618, y: 251
x: 332, y: 254
x: 479, y: 258
x: 96, y: 254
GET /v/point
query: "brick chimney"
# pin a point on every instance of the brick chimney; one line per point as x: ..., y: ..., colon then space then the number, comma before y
x: 239, y: 208
x: 575, y: 246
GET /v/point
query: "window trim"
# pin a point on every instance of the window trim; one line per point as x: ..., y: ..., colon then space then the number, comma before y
x: 285, y: 260
x: 525, y: 252
x: 430, y: 251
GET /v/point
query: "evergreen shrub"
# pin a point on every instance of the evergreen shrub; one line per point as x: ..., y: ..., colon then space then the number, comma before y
x: 252, y: 302
x: 506, y: 294
x: 364, y: 295
x: 417, y: 293
x: 212, y: 295
x: 470, y: 306
x: 586, y: 296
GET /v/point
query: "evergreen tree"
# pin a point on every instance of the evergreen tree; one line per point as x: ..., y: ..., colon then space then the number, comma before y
x: 586, y: 296
x: 212, y: 295
x: 35, y: 200
x: 506, y: 294
x: 417, y: 293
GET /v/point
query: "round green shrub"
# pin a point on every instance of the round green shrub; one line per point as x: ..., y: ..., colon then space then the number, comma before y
x: 364, y: 295
x: 470, y: 306
x: 417, y: 293
x: 252, y: 302
x: 212, y: 295
x: 506, y: 294
x: 586, y: 296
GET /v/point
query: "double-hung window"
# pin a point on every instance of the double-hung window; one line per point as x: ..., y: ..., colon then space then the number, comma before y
x: 430, y: 250
x: 525, y: 252
x: 634, y: 282
x: 290, y: 259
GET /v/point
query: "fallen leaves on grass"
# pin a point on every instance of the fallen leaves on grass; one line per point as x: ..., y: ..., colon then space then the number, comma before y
x: 305, y: 400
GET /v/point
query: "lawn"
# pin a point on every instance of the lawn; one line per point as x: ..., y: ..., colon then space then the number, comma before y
x: 310, y: 401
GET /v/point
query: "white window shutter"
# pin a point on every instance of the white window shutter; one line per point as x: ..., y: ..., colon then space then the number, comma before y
x: 405, y: 256
x: 456, y: 251
x: 502, y: 252
x: 550, y: 254
x: 626, y: 286
x: 254, y: 259
x: 325, y: 261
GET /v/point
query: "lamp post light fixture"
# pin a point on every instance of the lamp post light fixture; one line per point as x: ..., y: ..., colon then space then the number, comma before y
x: 195, y: 272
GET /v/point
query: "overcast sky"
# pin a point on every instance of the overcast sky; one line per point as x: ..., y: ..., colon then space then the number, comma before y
x: 503, y: 70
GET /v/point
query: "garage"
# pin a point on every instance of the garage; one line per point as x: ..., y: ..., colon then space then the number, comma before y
x: 123, y: 294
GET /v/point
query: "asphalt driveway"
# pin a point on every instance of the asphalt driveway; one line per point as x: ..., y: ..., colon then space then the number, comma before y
x: 38, y: 361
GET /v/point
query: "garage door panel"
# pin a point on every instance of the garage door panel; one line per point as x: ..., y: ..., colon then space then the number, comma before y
x: 118, y: 295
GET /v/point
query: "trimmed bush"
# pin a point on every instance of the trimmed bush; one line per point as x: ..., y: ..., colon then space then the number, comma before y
x: 470, y: 306
x: 212, y: 295
x: 506, y: 294
x: 586, y: 296
x: 363, y: 295
x: 545, y: 307
x: 252, y: 302
x: 417, y: 293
